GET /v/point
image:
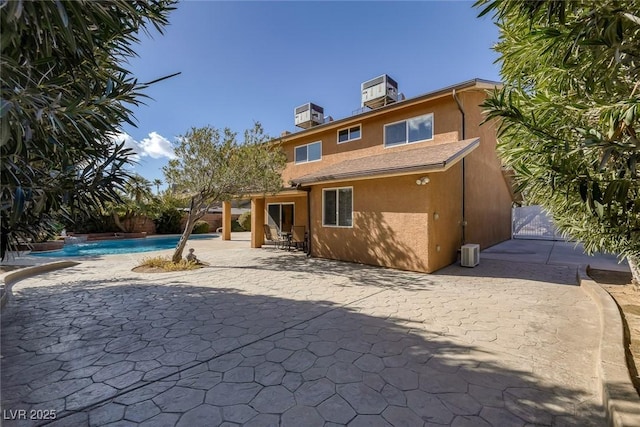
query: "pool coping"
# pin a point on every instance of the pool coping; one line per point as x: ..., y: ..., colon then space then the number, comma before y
x: 11, y: 278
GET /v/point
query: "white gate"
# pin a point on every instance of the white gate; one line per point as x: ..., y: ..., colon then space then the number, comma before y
x: 531, y: 222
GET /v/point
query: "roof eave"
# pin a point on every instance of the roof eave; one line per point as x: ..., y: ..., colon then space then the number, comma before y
x: 391, y: 172
x: 285, y: 191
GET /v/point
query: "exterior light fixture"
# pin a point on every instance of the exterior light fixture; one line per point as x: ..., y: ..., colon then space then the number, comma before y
x: 422, y: 181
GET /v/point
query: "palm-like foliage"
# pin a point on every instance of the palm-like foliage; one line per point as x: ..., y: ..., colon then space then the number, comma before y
x: 569, y: 114
x: 64, y: 92
x: 157, y: 182
x: 136, y: 201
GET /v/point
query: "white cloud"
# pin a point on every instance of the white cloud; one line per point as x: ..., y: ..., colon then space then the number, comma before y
x: 129, y: 142
x: 155, y: 145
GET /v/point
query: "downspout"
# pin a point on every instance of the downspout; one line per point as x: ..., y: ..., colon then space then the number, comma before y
x: 308, y: 190
x: 464, y: 219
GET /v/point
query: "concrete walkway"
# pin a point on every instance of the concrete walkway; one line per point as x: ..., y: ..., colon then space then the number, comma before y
x: 552, y: 253
x: 269, y: 337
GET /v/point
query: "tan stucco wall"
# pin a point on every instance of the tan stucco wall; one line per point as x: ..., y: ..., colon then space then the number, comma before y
x: 140, y: 224
x: 371, y: 142
x: 299, y: 210
x: 445, y: 213
x: 394, y: 222
x: 213, y: 219
x: 488, y: 200
x: 259, y: 214
x: 257, y: 221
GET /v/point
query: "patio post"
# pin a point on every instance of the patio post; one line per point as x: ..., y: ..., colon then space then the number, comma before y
x: 257, y: 222
x: 226, y: 220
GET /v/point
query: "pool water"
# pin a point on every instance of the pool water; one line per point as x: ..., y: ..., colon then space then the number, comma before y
x: 123, y: 246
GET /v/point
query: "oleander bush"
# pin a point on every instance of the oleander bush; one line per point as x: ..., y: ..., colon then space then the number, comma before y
x: 244, y: 221
x: 200, y: 227
x: 168, y: 222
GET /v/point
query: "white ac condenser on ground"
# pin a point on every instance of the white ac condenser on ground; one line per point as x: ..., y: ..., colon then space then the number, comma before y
x: 470, y: 255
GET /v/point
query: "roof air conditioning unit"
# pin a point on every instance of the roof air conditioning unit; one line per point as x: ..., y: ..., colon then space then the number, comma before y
x: 380, y: 91
x: 309, y: 115
x: 470, y: 255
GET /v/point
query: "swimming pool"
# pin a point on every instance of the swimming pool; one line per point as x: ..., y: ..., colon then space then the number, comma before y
x: 123, y: 246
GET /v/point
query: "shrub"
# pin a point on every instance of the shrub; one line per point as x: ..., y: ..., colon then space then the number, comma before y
x: 43, y: 236
x: 94, y: 224
x: 182, y: 265
x: 244, y: 221
x: 168, y: 222
x: 157, y: 261
x: 167, y: 265
x: 200, y: 227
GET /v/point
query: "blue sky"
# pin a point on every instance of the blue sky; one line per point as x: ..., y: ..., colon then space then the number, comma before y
x: 256, y: 61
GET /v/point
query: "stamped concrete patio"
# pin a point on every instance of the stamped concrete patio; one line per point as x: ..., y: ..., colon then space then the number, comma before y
x: 269, y: 337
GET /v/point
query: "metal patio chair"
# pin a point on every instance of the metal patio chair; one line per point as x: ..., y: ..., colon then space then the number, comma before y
x: 299, y: 236
x: 271, y: 235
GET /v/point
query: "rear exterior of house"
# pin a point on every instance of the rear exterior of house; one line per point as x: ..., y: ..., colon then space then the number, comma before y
x: 402, y: 185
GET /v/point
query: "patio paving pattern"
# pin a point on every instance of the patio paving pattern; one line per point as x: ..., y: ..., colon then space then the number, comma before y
x: 269, y: 337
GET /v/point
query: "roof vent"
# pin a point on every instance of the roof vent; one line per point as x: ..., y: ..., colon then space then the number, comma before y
x: 380, y: 91
x: 309, y: 115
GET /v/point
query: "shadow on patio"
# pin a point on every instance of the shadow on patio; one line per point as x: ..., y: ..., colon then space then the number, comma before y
x: 504, y: 270
x: 101, y: 351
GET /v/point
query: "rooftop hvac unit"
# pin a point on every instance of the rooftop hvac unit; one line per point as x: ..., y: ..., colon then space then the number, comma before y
x: 380, y: 91
x: 309, y: 115
x: 470, y: 255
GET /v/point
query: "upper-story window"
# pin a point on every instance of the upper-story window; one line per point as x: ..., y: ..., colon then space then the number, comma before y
x: 408, y: 131
x: 309, y: 152
x: 348, y: 134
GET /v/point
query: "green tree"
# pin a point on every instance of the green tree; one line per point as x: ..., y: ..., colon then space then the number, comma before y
x: 569, y: 117
x: 212, y: 166
x: 136, y: 201
x: 168, y: 218
x: 244, y: 221
x: 64, y: 94
x: 157, y: 182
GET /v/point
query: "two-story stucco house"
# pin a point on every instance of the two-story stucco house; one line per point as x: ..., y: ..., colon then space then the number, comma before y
x: 402, y: 185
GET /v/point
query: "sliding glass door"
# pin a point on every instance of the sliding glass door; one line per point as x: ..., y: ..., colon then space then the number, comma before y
x: 281, y: 215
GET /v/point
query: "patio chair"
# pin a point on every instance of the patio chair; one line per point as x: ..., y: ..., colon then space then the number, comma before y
x: 299, y: 236
x: 271, y: 235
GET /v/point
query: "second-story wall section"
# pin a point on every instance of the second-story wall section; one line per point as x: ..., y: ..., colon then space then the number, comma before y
x: 364, y: 135
x: 487, y: 197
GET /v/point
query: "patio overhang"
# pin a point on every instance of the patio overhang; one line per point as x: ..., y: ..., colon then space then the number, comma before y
x: 430, y: 158
x: 284, y: 192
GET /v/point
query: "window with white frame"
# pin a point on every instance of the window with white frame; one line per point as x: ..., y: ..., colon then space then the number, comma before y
x: 409, y: 131
x: 349, y: 134
x: 308, y: 152
x: 337, y: 207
